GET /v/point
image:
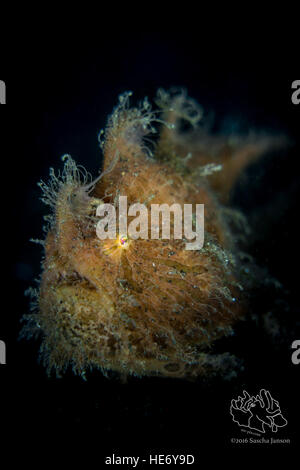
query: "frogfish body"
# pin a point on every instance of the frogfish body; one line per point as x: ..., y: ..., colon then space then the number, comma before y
x: 142, y: 306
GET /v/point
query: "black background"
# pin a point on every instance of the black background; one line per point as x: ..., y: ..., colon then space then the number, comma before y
x: 58, y: 98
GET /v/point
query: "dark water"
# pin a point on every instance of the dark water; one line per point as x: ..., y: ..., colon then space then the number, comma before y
x: 58, y: 103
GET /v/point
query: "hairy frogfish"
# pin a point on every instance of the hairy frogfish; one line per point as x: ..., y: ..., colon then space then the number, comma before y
x: 144, y: 306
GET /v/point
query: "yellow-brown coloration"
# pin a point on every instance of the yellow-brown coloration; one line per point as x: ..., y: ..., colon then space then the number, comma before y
x: 144, y: 307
